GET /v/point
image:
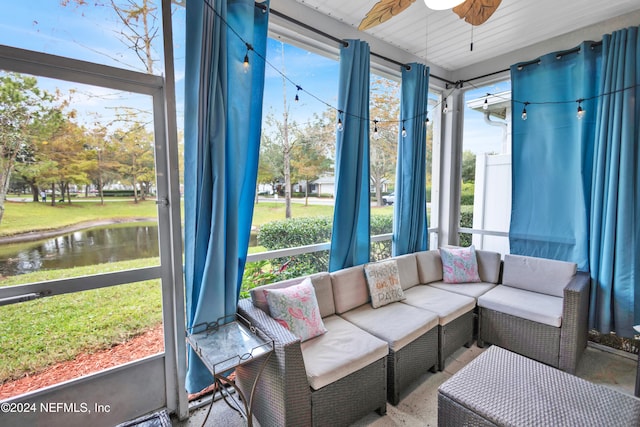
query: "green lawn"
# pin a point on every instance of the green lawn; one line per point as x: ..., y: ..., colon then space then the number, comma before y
x: 21, y: 217
x: 36, y: 334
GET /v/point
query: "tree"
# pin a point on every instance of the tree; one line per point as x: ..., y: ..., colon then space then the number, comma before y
x: 468, y: 166
x: 385, y: 111
x: 141, y: 26
x: 22, y: 108
x: 309, y: 162
x: 135, y: 155
x: 270, y: 165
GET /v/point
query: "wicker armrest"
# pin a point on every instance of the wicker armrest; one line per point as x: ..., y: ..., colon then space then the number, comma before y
x: 267, y: 324
x: 575, y: 319
x: 282, y: 396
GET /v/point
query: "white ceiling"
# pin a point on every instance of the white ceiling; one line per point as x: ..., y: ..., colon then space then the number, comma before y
x: 442, y: 40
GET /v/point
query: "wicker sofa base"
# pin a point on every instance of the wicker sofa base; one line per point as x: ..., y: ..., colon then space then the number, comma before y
x: 453, y: 335
x: 531, y: 339
x: 345, y: 401
x: 409, y: 363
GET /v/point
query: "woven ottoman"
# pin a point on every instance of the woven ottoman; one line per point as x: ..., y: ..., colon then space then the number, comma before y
x: 501, y: 388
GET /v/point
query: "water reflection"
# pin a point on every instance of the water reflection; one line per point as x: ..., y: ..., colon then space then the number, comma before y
x: 80, y: 248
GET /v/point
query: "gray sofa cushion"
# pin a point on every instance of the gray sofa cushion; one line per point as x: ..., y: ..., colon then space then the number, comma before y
x: 473, y: 290
x: 397, y: 324
x: 343, y: 350
x: 488, y: 266
x: 541, y: 275
x: 321, y: 283
x: 429, y: 266
x: 349, y: 288
x: 408, y: 270
x: 534, y: 306
x: 448, y: 306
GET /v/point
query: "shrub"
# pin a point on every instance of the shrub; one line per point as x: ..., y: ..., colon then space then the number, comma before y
x: 381, y: 224
x: 466, y: 221
x: 466, y: 194
x: 295, y: 232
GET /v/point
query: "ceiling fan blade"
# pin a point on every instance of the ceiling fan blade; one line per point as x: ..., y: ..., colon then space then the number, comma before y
x: 383, y: 11
x: 477, y: 12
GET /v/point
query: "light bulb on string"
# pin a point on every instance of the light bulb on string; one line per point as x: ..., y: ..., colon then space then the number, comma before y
x: 580, y: 113
x: 404, y: 131
x: 340, y: 126
x: 445, y: 110
x: 298, y: 89
x: 485, y: 106
x: 245, y: 62
x: 426, y: 121
x: 524, y: 111
x: 376, y: 135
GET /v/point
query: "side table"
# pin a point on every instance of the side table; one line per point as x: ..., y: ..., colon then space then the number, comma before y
x: 224, y: 345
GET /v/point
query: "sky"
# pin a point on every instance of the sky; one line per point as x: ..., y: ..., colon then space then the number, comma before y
x: 91, y: 33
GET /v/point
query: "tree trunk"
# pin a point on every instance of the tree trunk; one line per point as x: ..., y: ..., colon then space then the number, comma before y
x: 286, y: 146
x: 53, y: 194
x: 306, y: 192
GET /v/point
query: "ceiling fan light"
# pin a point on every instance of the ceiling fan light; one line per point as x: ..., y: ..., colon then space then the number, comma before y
x: 442, y: 4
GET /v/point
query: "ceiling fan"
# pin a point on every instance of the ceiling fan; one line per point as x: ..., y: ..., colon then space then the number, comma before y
x: 474, y: 12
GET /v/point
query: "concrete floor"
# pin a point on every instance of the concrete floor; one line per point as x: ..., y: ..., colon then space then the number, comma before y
x: 418, y: 406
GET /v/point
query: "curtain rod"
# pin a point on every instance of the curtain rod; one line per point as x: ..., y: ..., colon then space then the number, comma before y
x: 336, y: 39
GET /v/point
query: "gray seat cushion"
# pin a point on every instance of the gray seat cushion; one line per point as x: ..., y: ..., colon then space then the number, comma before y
x: 473, y: 290
x: 397, y: 324
x: 529, y: 305
x: 343, y: 350
x: 447, y: 305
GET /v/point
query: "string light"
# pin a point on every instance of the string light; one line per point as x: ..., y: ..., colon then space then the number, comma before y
x: 485, y: 106
x: 376, y: 135
x: 580, y: 113
x: 245, y: 63
x: 445, y: 109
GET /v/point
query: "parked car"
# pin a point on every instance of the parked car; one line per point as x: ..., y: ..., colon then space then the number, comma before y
x: 389, y: 199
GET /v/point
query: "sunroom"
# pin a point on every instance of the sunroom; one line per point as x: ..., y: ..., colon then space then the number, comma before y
x: 557, y: 82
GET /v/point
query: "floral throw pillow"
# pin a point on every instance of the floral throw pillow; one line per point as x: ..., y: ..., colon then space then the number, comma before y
x: 459, y: 265
x: 296, y: 308
x: 383, y: 280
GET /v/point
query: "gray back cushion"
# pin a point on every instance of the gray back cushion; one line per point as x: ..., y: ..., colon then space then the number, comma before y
x: 541, y: 275
x: 407, y: 270
x: 429, y: 266
x: 349, y: 288
x: 488, y: 266
x: 321, y: 283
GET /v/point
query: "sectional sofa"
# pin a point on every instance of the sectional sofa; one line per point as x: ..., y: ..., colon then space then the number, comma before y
x: 372, y: 343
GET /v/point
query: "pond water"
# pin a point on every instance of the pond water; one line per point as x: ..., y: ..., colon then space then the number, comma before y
x: 85, y: 247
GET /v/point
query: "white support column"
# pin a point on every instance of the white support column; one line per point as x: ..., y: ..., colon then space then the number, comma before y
x: 451, y: 168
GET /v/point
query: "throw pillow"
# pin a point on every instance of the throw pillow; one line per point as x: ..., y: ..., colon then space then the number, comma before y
x: 459, y: 265
x: 384, y: 283
x: 296, y: 308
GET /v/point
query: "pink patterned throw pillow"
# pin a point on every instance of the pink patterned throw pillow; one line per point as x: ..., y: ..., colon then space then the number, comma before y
x: 296, y: 308
x: 459, y: 265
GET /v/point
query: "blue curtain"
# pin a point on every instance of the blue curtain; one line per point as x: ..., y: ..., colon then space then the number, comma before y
x: 223, y: 109
x: 410, y: 208
x: 615, y: 213
x: 552, y: 155
x: 350, y: 235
